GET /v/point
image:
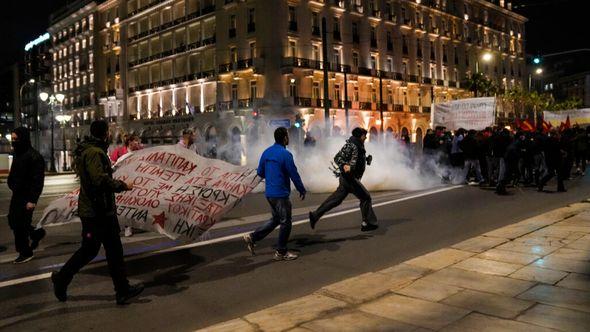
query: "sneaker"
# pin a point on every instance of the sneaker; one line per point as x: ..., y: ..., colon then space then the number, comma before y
x: 287, y: 256
x: 132, y: 292
x: 249, y: 244
x: 312, y: 220
x: 36, y: 237
x: 22, y: 259
x: 59, y: 290
x: 473, y: 183
x: 128, y: 231
x: 365, y: 227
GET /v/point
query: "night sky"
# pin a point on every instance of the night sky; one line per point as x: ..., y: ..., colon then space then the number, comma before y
x: 554, y: 25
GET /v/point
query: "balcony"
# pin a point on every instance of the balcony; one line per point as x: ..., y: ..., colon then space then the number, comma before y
x: 373, y: 43
x: 398, y: 76
x: 413, y: 78
x: 293, y: 26
x: 336, y: 35
x: 398, y: 107
x: 251, y: 27
x: 232, y: 33
x: 365, y: 105
x: 235, y: 66
x: 425, y: 109
x: 427, y: 80
x: 414, y: 109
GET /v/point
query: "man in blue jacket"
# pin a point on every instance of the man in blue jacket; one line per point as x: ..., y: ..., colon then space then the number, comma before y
x: 278, y: 169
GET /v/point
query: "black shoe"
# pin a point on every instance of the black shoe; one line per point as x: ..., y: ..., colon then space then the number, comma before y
x: 132, y: 292
x: 540, y: 188
x: 22, y: 259
x: 59, y: 290
x: 365, y: 227
x: 312, y: 220
x: 561, y: 190
x: 36, y: 237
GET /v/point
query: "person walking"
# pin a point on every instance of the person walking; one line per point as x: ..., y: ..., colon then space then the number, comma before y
x: 277, y: 168
x: 25, y: 180
x: 555, y: 155
x: 97, y: 211
x: 470, y: 147
x: 351, y: 161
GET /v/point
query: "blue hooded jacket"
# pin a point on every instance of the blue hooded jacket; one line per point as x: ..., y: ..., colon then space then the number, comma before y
x: 277, y: 167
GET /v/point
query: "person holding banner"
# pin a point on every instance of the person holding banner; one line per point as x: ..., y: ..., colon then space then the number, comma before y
x: 97, y: 211
x: 277, y: 168
x: 187, y: 140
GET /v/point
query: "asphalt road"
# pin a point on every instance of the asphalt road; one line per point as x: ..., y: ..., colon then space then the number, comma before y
x: 199, y: 286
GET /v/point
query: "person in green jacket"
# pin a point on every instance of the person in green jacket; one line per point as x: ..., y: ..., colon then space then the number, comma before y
x: 97, y: 211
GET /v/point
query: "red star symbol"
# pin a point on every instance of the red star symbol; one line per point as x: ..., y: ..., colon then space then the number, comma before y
x: 159, y: 219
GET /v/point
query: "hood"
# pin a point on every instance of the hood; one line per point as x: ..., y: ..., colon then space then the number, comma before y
x: 23, y: 144
x: 90, y: 142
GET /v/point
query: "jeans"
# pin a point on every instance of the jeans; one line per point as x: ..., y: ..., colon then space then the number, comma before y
x: 493, y: 168
x: 349, y: 185
x: 475, y: 164
x: 96, y: 232
x: 281, y: 216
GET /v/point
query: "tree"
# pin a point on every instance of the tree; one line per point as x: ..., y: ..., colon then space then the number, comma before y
x: 480, y: 84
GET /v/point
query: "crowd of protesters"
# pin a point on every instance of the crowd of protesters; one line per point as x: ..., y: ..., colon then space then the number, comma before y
x: 499, y: 157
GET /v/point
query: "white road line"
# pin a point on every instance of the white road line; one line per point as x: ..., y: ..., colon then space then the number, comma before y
x: 41, y: 276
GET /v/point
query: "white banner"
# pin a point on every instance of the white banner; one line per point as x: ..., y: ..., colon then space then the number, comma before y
x: 176, y: 192
x: 470, y: 113
x: 581, y: 117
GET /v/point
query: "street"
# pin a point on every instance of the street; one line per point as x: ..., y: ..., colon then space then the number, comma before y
x: 201, y: 284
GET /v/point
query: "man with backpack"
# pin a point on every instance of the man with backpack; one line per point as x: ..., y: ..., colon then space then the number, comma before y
x: 351, y: 162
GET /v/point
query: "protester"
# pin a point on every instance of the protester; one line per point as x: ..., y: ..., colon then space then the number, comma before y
x: 25, y: 180
x: 555, y: 161
x: 97, y: 211
x: 277, y: 168
x: 187, y: 141
x: 582, y: 144
x: 470, y: 148
x: 351, y: 161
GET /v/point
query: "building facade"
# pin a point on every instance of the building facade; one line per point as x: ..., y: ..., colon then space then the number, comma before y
x: 228, y: 68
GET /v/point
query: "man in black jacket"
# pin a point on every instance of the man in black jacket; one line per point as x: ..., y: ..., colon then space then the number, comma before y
x: 25, y: 180
x: 351, y: 162
x: 97, y: 211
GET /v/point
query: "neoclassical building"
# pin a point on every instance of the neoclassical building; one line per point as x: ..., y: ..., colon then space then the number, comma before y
x: 229, y: 69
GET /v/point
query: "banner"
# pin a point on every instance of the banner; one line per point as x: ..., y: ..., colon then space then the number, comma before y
x: 581, y: 117
x: 470, y: 113
x: 176, y: 192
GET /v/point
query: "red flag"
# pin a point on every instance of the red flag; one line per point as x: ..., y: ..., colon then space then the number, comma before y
x: 527, y: 125
x: 567, y: 123
x: 546, y: 126
x: 517, y: 124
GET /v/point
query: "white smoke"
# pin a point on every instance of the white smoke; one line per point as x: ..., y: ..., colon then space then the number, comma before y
x: 395, y: 166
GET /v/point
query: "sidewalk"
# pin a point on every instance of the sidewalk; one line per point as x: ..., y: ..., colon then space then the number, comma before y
x: 530, y: 276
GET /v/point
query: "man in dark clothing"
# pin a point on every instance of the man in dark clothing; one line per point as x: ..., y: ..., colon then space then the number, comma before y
x: 351, y: 162
x: 470, y: 148
x: 97, y: 210
x: 278, y: 169
x: 25, y: 180
x: 508, y: 160
x: 582, y: 143
x: 555, y: 160
x: 430, y: 143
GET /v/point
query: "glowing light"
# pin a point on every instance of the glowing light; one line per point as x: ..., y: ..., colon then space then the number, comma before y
x: 539, y: 71
x: 487, y: 57
x: 37, y: 41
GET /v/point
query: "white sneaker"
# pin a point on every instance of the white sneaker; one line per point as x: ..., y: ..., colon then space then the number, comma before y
x: 128, y: 231
x: 288, y: 256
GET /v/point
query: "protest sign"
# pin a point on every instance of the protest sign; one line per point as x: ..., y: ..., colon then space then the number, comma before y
x: 176, y: 192
x: 581, y: 117
x: 470, y: 113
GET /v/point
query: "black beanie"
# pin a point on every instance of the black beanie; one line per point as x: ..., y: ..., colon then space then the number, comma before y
x: 99, y: 129
x: 358, y: 132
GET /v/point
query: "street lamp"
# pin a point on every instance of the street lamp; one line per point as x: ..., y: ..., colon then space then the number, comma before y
x: 52, y: 100
x: 20, y: 93
x: 63, y: 119
x: 539, y: 71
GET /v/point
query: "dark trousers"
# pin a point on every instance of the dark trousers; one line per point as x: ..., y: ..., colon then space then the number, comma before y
x: 281, y: 216
x: 560, y: 169
x: 349, y: 185
x: 96, y: 232
x: 20, y: 219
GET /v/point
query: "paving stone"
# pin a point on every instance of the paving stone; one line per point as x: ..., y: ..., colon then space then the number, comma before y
x: 526, y: 248
x: 562, y: 264
x: 440, y: 259
x: 429, y: 291
x: 364, y: 287
x: 491, y: 304
x: 357, y: 321
x: 513, y: 231
x: 582, y: 244
x: 479, y: 281
x: 237, y: 324
x: 534, y: 273
x: 479, y: 244
x: 576, y: 281
x: 405, y: 274
x: 507, y: 256
x: 558, y: 296
x: 487, y: 266
x: 561, y: 232
x: 547, y: 240
x: 482, y: 323
x: 414, y: 311
x: 292, y: 313
x: 557, y: 318
x: 575, y: 254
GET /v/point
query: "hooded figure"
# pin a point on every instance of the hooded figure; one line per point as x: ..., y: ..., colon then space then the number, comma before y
x: 25, y: 180
x: 351, y: 162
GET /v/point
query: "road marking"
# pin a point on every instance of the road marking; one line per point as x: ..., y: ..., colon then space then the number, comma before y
x: 46, y: 275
